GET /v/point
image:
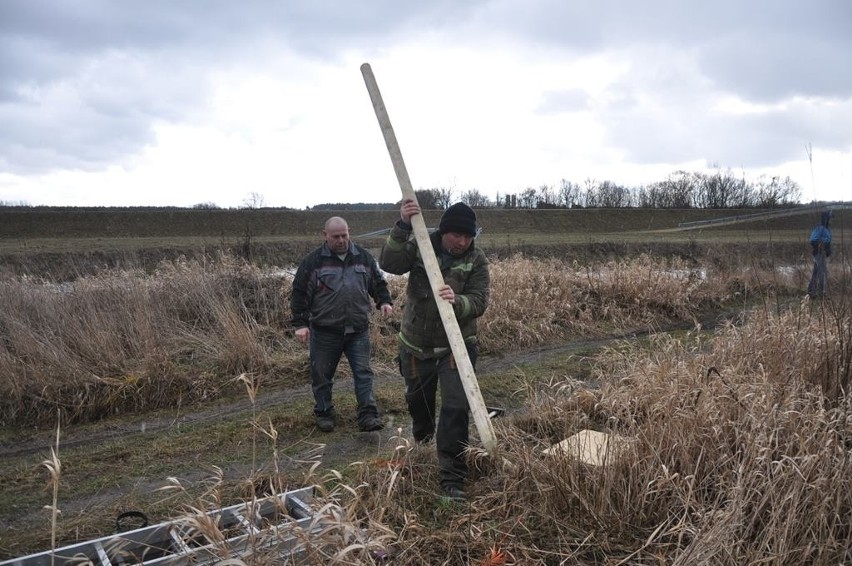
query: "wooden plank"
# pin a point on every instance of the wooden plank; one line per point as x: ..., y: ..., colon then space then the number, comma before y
x: 433, y: 271
x: 591, y: 447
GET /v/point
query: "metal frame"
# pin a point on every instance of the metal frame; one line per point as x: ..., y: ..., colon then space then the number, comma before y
x: 278, y: 522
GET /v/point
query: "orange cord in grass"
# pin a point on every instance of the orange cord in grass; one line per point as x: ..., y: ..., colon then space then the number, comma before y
x: 495, y: 558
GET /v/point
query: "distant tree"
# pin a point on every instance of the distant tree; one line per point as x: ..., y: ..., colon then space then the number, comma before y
x: 510, y: 200
x: 776, y: 192
x: 721, y: 189
x: 679, y: 190
x: 205, y: 206
x: 650, y: 196
x: 445, y: 197
x: 254, y: 200
x: 354, y: 206
x: 476, y: 199
x: 589, y: 194
x: 427, y: 198
x: 606, y: 194
x: 568, y: 194
x: 546, y: 197
x: 613, y: 195
x: 661, y: 194
x: 527, y: 198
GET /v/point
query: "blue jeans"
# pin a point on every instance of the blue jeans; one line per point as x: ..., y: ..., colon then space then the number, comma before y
x: 818, y: 285
x: 327, y: 347
x: 422, y: 378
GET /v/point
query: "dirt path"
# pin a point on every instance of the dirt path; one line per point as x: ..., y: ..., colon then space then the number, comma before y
x: 337, y: 449
x: 40, y: 441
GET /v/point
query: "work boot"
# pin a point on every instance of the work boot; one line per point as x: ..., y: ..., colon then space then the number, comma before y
x: 369, y: 423
x: 326, y: 423
x: 369, y: 419
x: 426, y: 440
x: 455, y: 493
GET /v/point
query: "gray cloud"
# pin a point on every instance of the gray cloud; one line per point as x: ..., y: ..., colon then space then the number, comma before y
x: 82, y: 83
x: 554, y: 102
x: 751, y: 141
x: 684, y: 57
x: 763, y: 50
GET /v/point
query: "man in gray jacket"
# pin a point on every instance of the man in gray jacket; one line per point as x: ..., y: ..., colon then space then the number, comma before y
x: 331, y: 309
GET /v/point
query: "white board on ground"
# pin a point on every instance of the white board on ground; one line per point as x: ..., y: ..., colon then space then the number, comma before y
x: 591, y: 447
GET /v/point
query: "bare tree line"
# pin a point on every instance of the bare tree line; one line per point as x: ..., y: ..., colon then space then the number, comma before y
x: 681, y: 189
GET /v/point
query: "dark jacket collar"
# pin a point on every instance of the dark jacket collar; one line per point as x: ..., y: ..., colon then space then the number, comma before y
x: 352, y: 249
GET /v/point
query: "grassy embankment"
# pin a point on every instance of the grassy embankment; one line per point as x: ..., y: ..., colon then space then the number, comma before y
x: 64, y: 243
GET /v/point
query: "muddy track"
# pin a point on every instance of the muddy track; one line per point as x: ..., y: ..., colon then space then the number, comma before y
x: 40, y: 441
x: 334, y: 450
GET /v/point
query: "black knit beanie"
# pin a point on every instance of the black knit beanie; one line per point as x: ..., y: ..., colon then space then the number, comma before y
x: 458, y: 218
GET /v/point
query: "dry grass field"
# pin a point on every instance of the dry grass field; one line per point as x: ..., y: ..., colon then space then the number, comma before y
x: 172, y: 381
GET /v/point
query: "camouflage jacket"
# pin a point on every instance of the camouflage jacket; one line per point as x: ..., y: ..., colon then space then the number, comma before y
x: 422, y: 330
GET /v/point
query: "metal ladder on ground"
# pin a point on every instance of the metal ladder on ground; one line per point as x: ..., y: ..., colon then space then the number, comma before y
x: 279, y: 524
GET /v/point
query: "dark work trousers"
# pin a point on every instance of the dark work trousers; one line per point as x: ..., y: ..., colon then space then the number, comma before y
x: 327, y: 347
x: 818, y: 286
x: 422, y: 377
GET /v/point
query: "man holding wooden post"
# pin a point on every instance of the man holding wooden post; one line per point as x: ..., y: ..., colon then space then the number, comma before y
x: 425, y: 354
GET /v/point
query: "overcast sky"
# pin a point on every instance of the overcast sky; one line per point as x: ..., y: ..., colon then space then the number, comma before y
x: 170, y: 102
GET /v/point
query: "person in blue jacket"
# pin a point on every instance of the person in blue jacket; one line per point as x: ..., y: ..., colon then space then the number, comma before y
x: 820, y: 241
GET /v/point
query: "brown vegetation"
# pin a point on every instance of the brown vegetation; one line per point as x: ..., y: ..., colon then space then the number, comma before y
x: 739, y: 440
x: 739, y: 453
x: 124, y: 341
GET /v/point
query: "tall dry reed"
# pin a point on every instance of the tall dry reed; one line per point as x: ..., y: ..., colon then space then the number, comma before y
x: 125, y: 341
x: 735, y: 452
x: 737, y: 445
